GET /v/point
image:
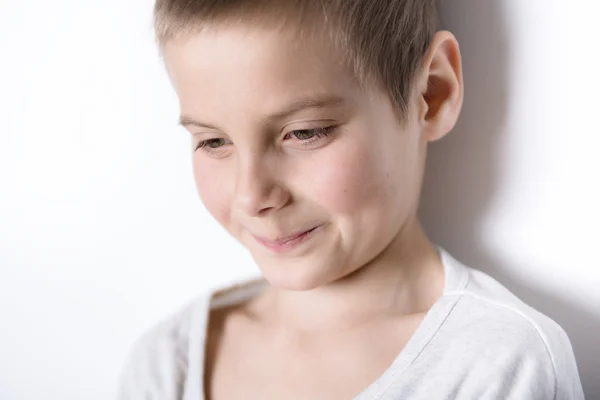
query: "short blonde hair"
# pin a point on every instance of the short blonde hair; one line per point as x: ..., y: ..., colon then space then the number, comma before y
x: 383, y: 41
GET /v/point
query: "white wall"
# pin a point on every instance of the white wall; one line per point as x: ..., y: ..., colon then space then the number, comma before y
x: 102, y: 233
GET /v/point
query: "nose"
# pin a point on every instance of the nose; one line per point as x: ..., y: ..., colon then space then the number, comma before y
x: 259, y: 187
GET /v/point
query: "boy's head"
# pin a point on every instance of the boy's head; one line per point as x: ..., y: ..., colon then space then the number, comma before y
x: 312, y: 114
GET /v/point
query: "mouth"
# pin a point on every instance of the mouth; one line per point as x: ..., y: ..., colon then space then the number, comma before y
x: 287, y: 243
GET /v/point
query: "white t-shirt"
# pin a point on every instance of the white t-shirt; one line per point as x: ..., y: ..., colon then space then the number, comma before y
x: 478, y: 341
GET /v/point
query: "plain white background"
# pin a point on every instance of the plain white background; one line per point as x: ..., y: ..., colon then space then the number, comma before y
x: 102, y: 233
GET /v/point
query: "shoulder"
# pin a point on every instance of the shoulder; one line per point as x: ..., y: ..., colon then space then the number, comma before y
x: 157, y: 363
x: 160, y: 361
x: 508, y: 337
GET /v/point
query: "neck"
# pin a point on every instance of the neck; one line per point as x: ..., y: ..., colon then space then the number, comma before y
x: 405, y: 279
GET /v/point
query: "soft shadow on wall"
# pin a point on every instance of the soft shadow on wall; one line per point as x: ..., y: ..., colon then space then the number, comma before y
x: 463, y: 168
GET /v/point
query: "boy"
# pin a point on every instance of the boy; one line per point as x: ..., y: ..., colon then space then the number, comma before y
x: 310, y: 122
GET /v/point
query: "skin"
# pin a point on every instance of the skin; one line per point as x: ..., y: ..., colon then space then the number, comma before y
x: 369, y: 269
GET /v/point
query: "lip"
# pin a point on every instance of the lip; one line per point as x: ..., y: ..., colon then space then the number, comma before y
x: 287, y: 243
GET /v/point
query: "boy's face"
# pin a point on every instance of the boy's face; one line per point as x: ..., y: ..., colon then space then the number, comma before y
x: 292, y: 143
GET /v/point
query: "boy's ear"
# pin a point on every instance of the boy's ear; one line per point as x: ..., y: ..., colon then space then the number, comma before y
x: 441, y: 87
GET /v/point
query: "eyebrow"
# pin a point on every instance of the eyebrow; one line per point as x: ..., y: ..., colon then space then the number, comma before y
x: 187, y: 121
x: 293, y: 108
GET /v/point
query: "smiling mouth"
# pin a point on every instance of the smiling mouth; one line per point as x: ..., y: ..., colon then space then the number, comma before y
x: 286, y: 243
x: 293, y: 237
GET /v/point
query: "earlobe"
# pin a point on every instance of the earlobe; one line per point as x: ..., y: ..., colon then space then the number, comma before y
x: 442, y: 87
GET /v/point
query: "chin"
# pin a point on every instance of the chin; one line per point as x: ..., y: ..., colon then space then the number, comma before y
x: 294, y: 276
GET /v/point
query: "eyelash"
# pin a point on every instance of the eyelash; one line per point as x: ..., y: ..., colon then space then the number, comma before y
x: 318, y: 133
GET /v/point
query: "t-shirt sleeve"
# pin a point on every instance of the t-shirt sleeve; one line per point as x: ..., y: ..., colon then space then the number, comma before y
x: 568, y: 382
x: 154, y: 369
x: 542, y: 367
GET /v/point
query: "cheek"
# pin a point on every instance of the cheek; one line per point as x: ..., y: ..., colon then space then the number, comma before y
x: 350, y: 177
x: 213, y: 191
x: 373, y: 177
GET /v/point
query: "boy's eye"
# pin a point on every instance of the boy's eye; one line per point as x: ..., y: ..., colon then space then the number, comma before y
x: 308, y: 136
x: 211, y: 144
x: 304, y: 134
x: 214, y: 143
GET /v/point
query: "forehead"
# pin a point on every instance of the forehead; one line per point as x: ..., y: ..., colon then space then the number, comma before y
x: 254, y: 67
